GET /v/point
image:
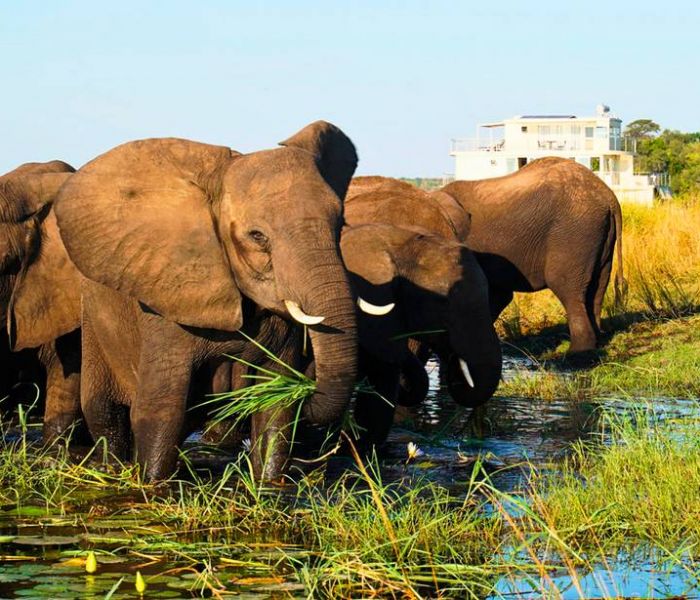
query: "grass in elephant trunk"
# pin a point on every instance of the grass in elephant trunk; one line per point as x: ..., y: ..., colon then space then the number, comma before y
x: 284, y: 388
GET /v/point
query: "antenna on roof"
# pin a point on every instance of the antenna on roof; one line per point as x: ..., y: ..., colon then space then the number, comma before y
x: 602, y: 110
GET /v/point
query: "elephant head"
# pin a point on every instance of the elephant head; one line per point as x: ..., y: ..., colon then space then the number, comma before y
x: 39, y: 297
x: 441, y: 297
x: 191, y: 230
x: 394, y: 202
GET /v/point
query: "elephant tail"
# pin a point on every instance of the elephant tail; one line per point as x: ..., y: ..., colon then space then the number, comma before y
x: 620, y: 285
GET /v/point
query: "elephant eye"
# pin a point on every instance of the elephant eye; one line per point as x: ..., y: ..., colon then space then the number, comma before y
x: 257, y: 236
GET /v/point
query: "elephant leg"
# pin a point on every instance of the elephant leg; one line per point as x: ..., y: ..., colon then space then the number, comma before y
x: 63, y: 390
x: 105, y: 416
x: 581, y: 324
x: 271, y: 442
x: 499, y: 298
x: 374, y: 411
x: 413, y: 383
x: 601, y: 285
x: 158, y: 412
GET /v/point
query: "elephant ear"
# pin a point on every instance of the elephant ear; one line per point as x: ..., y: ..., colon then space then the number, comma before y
x: 458, y: 219
x: 139, y: 220
x: 46, y: 298
x: 335, y: 154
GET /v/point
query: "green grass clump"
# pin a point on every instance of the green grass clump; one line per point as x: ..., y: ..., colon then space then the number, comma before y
x: 651, y: 359
x: 641, y: 489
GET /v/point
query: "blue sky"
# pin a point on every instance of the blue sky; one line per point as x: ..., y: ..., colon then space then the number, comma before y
x: 401, y: 78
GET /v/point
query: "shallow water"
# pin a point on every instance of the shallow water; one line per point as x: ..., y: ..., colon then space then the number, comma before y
x: 510, y: 435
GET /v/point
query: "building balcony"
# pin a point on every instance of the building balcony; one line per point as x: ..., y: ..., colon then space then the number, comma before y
x: 551, y: 145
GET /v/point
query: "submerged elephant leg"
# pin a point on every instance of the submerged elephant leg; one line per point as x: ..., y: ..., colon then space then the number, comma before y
x: 158, y: 411
x: 62, y: 409
x: 271, y: 441
x: 374, y: 410
x: 105, y: 416
x: 413, y: 383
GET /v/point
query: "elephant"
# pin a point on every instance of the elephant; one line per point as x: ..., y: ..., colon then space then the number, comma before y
x: 440, y: 295
x: 552, y: 224
x: 39, y: 295
x: 183, y: 246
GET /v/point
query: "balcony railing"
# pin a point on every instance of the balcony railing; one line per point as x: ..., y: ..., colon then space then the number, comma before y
x: 534, y: 145
x: 476, y: 145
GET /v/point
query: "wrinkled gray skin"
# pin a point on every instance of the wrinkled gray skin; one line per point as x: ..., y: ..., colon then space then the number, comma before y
x: 39, y: 299
x: 437, y: 288
x: 184, y: 246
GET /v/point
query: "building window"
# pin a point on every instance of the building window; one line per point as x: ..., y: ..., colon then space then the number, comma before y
x: 523, y: 128
x: 601, y: 132
x: 543, y: 131
x: 589, y: 132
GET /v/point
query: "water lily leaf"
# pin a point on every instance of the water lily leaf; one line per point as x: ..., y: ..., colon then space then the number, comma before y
x: 48, y: 540
x: 426, y: 464
x: 13, y: 577
x: 6, y: 539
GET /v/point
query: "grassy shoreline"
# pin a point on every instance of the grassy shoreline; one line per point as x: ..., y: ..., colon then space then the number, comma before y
x: 360, y: 535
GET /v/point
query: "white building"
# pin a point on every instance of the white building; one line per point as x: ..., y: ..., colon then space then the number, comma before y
x: 596, y: 142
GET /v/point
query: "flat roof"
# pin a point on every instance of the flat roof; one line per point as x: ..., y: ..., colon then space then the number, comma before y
x: 499, y: 124
x: 547, y: 117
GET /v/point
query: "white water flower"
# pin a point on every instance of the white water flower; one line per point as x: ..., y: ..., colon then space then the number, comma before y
x: 413, y: 451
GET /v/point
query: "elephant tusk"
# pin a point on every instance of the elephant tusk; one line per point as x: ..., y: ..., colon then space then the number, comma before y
x: 373, y: 309
x: 465, y: 372
x: 299, y: 315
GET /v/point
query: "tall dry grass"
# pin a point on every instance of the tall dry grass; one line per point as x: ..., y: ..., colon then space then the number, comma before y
x: 661, y: 259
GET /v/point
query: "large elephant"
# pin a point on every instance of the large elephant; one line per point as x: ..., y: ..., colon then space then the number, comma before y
x: 182, y: 245
x: 552, y: 224
x: 441, y: 297
x: 39, y: 294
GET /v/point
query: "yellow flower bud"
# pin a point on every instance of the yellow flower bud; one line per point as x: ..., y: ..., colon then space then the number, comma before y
x: 91, y: 562
x: 140, y: 584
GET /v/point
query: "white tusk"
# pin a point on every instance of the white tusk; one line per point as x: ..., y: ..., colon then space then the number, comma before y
x: 299, y: 315
x: 373, y: 309
x: 465, y: 372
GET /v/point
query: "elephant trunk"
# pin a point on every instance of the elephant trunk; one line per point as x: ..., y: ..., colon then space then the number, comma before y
x: 327, y: 294
x: 475, y: 361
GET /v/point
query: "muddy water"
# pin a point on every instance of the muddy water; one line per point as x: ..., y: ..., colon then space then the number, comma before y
x: 38, y: 550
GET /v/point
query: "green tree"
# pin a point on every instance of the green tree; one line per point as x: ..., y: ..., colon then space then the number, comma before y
x: 642, y: 129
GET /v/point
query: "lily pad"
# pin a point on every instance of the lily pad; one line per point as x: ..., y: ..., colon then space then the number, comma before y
x: 6, y: 539
x: 13, y: 577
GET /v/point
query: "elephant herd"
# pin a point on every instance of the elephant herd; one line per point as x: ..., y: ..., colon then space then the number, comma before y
x: 125, y: 285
